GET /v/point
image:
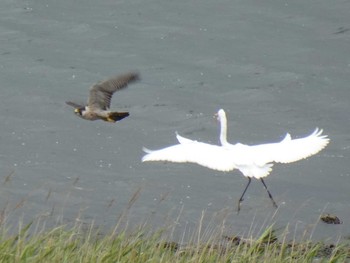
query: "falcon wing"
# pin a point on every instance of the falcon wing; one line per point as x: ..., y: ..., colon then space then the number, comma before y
x: 75, y: 105
x: 102, y: 92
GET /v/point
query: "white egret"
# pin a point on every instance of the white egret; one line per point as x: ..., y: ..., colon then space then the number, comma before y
x: 253, y: 161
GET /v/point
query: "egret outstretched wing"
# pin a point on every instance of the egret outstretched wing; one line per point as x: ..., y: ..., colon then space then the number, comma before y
x: 289, y: 150
x: 183, y: 140
x: 207, y: 155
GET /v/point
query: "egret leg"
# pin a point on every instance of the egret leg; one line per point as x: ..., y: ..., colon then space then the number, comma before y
x: 241, y: 199
x: 273, y: 201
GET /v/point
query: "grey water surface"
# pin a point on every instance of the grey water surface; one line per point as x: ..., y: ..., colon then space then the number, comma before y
x: 274, y: 66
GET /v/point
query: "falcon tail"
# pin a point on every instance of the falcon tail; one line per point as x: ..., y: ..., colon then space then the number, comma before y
x: 116, y: 116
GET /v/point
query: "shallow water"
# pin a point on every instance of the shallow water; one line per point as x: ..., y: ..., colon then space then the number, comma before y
x: 275, y: 67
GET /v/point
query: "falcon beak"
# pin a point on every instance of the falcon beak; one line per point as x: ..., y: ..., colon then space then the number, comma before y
x: 76, y: 110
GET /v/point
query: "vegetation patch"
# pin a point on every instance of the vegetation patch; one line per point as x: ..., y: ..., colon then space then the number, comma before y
x: 77, y: 244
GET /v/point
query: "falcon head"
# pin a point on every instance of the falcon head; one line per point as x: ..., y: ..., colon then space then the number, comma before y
x: 79, y: 111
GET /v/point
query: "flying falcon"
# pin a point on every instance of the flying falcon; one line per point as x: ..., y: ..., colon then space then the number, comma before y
x: 100, y: 96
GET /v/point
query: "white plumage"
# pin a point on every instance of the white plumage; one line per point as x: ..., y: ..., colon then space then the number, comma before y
x: 253, y: 161
x: 262, y: 156
x: 211, y: 156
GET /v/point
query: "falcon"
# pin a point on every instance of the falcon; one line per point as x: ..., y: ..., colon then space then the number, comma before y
x: 98, y: 104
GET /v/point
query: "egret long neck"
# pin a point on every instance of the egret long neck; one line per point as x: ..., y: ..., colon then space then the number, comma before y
x: 223, y: 131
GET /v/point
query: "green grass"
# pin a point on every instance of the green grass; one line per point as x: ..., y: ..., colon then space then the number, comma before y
x: 83, y: 242
x: 75, y: 244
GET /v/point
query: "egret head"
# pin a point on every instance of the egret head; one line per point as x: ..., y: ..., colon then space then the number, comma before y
x: 220, y: 115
